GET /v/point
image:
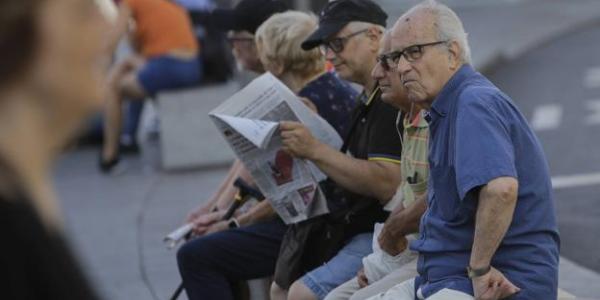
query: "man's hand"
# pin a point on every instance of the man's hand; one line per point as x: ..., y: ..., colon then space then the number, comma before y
x: 389, y: 240
x: 218, y: 226
x: 297, y: 140
x: 362, y: 278
x: 492, y: 286
x: 202, y: 223
x: 390, y: 243
x: 196, y: 213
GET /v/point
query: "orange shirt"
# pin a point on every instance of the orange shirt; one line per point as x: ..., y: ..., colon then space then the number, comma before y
x: 161, y: 26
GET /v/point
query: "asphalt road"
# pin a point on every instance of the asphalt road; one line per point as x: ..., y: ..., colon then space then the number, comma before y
x: 557, y: 86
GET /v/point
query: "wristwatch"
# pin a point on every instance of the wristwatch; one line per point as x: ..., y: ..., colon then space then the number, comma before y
x: 233, y: 223
x: 473, y: 273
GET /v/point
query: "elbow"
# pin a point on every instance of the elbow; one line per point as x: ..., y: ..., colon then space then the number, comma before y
x: 386, y: 190
x: 505, y: 188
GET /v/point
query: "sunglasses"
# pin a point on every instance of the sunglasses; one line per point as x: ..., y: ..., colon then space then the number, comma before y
x: 337, y: 44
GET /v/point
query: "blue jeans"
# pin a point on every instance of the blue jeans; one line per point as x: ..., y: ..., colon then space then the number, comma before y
x: 158, y: 74
x: 166, y: 73
x: 341, y: 268
x: 209, y: 264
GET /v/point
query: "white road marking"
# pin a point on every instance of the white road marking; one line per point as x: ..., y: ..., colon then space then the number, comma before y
x: 546, y: 117
x: 591, y: 79
x: 569, y: 181
x: 594, y: 117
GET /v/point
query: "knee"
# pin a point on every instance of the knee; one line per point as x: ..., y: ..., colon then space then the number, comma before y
x: 193, y: 253
x: 277, y: 293
x: 299, y: 291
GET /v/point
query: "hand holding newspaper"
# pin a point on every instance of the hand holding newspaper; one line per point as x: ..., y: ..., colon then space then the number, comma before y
x: 249, y: 121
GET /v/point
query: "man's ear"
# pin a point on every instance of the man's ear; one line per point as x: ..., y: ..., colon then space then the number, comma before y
x: 454, y: 55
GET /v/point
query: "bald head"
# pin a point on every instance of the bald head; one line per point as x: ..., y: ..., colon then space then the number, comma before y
x: 433, y: 43
x: 436, y: 21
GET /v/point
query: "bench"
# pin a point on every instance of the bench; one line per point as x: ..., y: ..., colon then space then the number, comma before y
x: 188, y: 138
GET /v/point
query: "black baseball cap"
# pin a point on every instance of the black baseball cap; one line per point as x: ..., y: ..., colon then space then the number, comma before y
x: 247, y: 14
x: 337, y: 14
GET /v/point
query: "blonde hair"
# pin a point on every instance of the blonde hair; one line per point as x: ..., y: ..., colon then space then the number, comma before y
x: 278, y: 40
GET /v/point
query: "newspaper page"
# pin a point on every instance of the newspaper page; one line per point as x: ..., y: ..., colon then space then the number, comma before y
x: 249, y: 121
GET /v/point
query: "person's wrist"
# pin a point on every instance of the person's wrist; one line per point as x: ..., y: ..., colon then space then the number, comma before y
x: 316, y: 151
x: 477, y: 272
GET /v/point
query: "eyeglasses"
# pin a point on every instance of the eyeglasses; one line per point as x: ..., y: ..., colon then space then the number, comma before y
x: 410, y: 53
x: 386, y: 61
x: 337, y: 44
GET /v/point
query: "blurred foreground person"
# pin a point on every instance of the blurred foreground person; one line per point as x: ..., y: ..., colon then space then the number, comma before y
x: 50, y: 80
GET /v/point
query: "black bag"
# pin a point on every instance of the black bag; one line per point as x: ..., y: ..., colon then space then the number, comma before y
x: 305, y: 246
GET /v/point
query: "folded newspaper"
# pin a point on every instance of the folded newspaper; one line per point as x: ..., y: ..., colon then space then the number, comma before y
x: 249, y: 121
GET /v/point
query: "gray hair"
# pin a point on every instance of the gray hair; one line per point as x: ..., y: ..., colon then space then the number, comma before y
x: 355, y: 26
x: 448, y: 26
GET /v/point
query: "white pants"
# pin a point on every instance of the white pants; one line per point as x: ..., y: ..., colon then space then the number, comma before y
x: 406, y: 291
x: 352, y: 291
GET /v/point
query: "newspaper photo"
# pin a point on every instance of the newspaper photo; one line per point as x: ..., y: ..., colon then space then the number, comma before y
x: 249, y: 121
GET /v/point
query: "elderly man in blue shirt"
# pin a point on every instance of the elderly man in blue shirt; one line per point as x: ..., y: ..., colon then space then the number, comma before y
x: 490, y: 228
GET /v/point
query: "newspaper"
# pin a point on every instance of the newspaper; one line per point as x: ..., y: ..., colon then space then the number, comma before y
x: 249, y: 121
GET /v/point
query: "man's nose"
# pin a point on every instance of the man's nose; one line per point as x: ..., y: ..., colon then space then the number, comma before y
x: 403, y: 67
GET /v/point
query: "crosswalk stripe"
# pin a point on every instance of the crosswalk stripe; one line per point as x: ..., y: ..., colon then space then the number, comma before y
x: 546, y: 117
x: 569, y: 181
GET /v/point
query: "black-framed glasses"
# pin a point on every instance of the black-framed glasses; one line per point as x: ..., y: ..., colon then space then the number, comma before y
x: 386, y: 61
x: 411, y: 53
x: 337, y: 44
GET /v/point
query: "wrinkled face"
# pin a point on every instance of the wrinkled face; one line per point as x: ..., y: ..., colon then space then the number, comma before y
x: 358, y: 56
x: 68, y: 69
x: 423, y: 78
x: 392, y: 90
x: 244, y: 50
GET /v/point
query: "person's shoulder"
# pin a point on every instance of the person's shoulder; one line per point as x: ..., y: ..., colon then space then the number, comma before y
x: 342, y: 86
x: 480, y: 92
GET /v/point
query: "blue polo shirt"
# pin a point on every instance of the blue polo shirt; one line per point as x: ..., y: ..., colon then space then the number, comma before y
x: 477, y: 135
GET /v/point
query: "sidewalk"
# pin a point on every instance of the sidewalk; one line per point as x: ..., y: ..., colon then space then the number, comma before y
x: 116, y: 222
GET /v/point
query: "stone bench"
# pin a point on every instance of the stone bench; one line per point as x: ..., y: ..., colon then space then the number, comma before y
x: 188, y: 138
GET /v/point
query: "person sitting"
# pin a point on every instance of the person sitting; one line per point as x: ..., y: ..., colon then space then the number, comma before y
x: 259, y: 231
x: 166, y: 58
x: 363, y: 175
x: 490, y: 228
x: 391, y: 261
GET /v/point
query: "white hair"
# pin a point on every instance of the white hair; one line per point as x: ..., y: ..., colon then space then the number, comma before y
x: 448, y: 26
